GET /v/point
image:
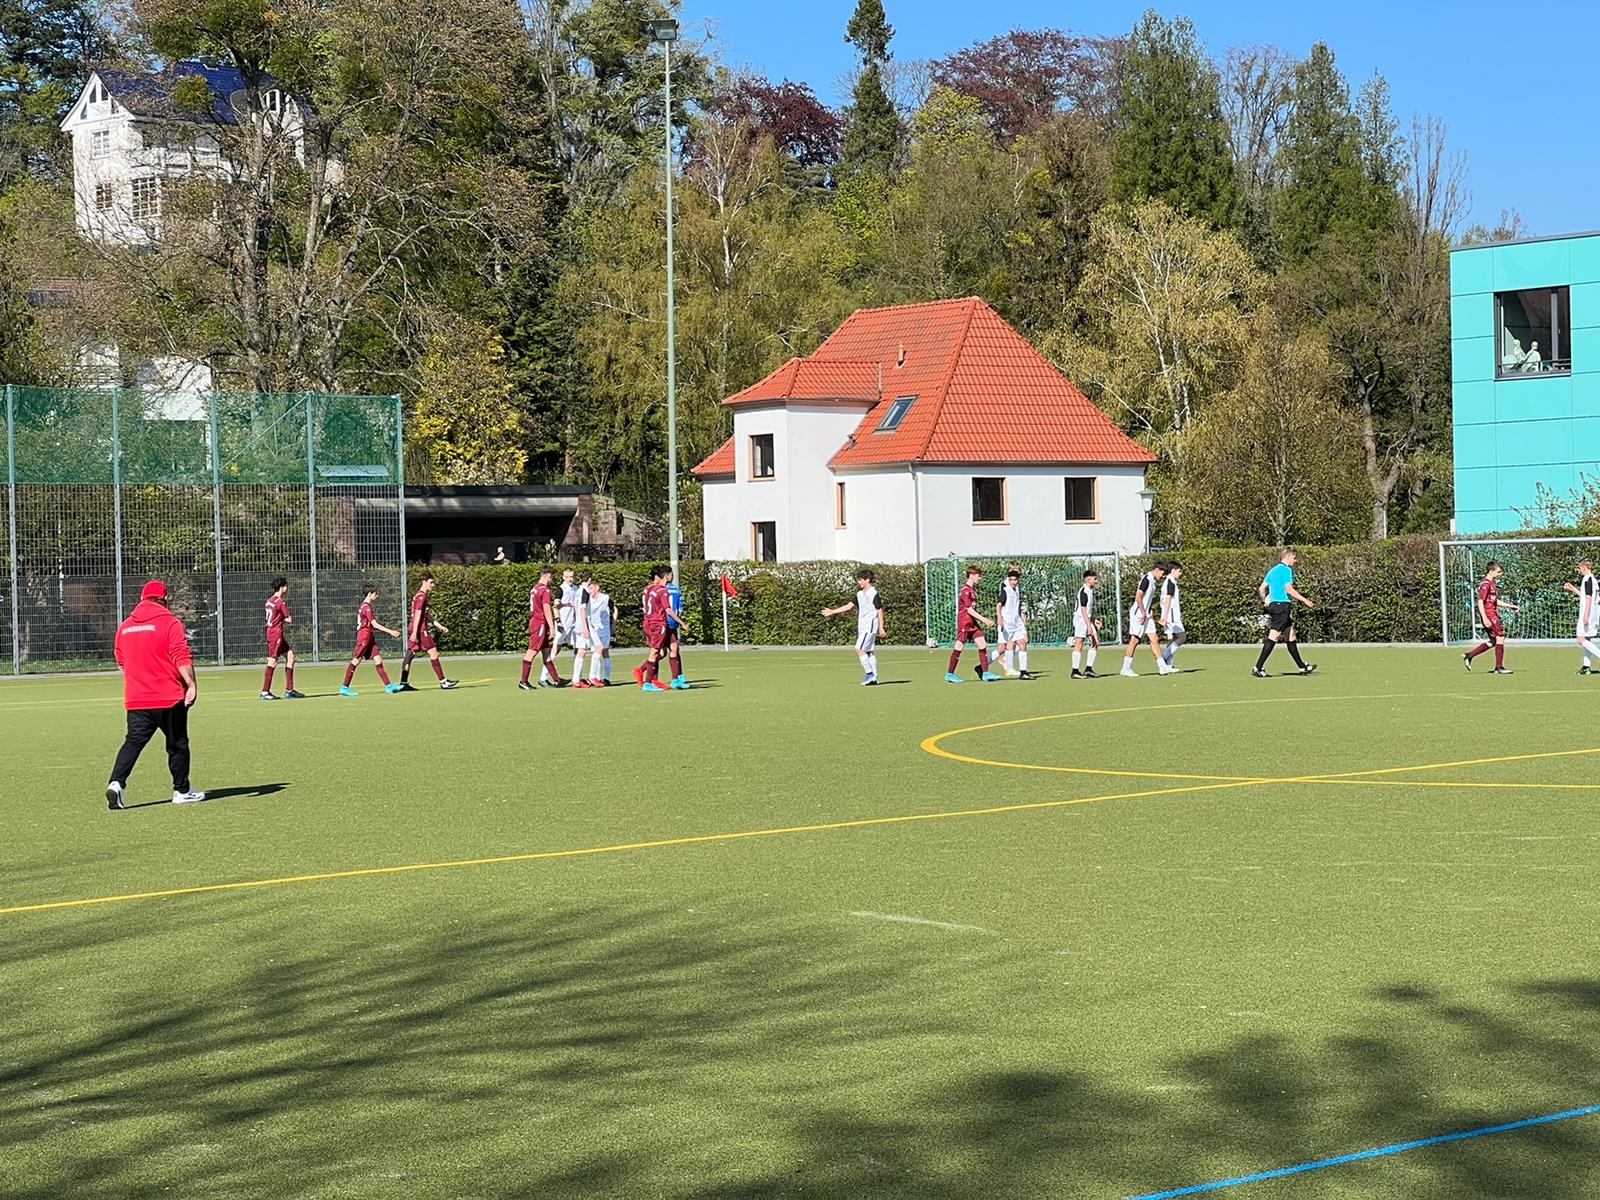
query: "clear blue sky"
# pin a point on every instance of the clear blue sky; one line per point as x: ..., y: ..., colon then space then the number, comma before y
x: 1518, y: 84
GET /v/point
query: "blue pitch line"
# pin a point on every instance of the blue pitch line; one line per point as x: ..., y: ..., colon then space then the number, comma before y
x: 1379, y: 1152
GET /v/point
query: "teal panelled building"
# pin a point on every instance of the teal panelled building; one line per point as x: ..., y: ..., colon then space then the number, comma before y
x: 1525, y: 364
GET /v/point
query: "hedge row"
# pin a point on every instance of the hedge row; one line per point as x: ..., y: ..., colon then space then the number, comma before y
x: 779, y: 604
x: 1368, y: 592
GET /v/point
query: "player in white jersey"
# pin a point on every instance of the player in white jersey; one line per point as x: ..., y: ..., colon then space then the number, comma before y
x: 567, y: 616
x: 870, y: 625
x: 595, y: 615
x: 1011, y: 617
x: 1085, y: 628
x: 1587, y: 590
x: 1142, y: 617
x: 1172, y: 614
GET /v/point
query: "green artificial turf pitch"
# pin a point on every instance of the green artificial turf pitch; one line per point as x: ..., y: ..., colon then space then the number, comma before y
x: 1204, y: 979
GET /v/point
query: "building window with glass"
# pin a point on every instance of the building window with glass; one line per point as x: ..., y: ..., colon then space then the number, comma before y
x: 1533, y: 330
x: 1081, y: 499
x: 764, y: 541
x: 146, y: 199
x: 105, y: 196
x: 762, y: 464
x: 988, y: 501
x: 100, y: 143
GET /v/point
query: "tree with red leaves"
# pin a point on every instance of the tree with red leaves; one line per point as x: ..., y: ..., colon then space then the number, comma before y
x: 1025, y: 77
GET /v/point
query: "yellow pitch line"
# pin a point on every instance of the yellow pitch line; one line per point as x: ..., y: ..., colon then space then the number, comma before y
x: 692, y: 840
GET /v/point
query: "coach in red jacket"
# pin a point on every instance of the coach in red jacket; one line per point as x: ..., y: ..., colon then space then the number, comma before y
x: 158, y: 689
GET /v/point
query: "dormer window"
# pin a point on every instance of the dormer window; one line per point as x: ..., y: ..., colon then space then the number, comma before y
x: 897, y: 413
x: 100, y: 143
x: 273, y: 101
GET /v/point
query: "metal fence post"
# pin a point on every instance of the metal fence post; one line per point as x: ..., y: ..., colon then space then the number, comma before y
x: 216, y: 518
x: 311, y: 493
x: 1116, y: 575
x: 400, y: 503
x: 1444, y: 602
x: 116, y: 492
x: 11, y: 510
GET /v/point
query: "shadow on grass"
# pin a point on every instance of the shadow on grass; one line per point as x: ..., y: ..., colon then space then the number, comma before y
x: 649, y: 1050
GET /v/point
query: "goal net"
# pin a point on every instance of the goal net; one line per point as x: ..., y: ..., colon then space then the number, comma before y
x: 1049, y: 587
x: 1535, y: 569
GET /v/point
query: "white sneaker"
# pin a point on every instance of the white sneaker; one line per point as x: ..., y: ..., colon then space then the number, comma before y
x: 1167, y: 669
x: 1010, y: 674
x: 189, y: 797
x: 1129, y: 672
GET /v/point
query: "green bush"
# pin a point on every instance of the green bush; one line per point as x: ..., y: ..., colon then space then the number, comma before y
x: 1366, y: 592
x: 779, y: 604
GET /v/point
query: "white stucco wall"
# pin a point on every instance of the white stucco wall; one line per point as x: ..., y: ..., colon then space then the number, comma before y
x: 880, y: 517
x: 1035, y: 512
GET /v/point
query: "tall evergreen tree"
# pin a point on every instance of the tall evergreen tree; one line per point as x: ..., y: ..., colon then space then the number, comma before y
x: 872, y: 132
x: 1339, y: 169
x: 1171, y: 142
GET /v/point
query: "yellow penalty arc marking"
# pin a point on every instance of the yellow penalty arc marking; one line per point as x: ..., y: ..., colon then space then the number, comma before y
x: 620, y: 848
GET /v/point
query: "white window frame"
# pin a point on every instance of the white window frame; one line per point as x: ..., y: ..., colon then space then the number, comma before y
x: 105, y: 197
x: 144, y: 211
x: 99, y: 143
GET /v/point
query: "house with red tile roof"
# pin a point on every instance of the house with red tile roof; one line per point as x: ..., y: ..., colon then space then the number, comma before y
x: 915, y: 432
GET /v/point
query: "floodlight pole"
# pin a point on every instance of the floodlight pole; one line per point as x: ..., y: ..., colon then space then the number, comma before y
x: 216, y: 521
x: 311, y: 514
x: 11, y: 510
x: 666, y: 32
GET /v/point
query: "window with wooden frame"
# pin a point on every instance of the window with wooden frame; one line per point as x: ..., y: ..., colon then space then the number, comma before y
x: 764, y: 541
x: 838, y: 506
x: 988, y: 501
x: 763, y: 460
x: 1082, y: 499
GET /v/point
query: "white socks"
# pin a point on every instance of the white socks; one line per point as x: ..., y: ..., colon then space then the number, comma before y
x: 1022, y: 659
x: 1077, y: 659
x: 1092, y: 652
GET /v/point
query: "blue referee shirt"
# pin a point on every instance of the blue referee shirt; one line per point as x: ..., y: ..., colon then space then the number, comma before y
x: 1278, y: 581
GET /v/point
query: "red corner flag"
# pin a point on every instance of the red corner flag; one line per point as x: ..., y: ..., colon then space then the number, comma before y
x: 728, y: 589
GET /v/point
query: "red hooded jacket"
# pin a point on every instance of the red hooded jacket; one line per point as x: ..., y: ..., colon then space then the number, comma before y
x: 151, y: 646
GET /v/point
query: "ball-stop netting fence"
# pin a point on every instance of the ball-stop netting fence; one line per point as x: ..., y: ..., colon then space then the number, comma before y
x: 214, y: 493
x: 1050, y: 586
x: 1534, y: 570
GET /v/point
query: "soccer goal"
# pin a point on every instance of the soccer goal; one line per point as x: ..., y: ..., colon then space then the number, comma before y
x: 1535, y: 569
x: 1049, y: 586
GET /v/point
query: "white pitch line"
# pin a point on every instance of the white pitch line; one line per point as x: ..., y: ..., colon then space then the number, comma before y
x: 897, y: 918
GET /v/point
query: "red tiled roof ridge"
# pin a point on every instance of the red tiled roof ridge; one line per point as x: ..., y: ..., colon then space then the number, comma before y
x: 719, y: 462
x: 970, y: 304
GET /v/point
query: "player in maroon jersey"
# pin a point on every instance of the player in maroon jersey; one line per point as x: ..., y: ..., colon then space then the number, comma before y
x: 367, y: 645
x: 541, y: 635
x: 1489, y: 606
x: 420, y: 637
x: 969, y: 618
x: 278, y: 621
x: 657, y: 630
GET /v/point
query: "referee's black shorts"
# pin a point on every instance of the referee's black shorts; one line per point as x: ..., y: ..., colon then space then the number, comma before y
x: 1281, y: 616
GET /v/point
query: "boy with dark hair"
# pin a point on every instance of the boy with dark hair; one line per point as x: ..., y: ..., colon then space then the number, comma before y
x: 541, y: 634
x: 278, y: 621
x: 675, y: 629
x: 1085, y: 627
x: 1011, y: 615
x: 367, y: 645
x: 968, y: 620
x: 656, y: 604
x: 1494, y: 633
x: 420, y: 637
x: 869, y: 624
x: 1142, y: 620
x: 1172, y: 615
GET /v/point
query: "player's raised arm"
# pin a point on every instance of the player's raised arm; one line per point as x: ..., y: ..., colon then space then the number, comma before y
x: 843, y: 608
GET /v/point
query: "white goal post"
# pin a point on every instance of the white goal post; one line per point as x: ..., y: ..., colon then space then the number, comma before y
x: 1535, y: 569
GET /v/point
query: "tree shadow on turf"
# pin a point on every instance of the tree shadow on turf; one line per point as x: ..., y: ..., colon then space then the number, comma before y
x: 643, y: 1048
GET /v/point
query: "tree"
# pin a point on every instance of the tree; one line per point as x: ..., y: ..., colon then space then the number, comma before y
x: 1066, y: 183
x: 1171, y: 142
x: 1160, y: 332
x: 1333, y: 176
x: 1021, y: 79
x: 872, y: 126
x: 47, y: 49
x: 1257, y: 85
x: 466, y: 427
x: 1276, y: 460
